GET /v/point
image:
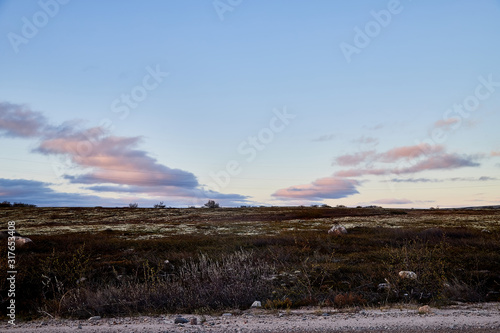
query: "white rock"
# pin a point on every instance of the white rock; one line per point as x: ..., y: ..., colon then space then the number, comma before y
x: 408, y: 275
x: 256, y: 304
x: 337, y: 230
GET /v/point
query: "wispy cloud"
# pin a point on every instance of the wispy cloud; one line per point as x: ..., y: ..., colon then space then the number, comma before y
x: 392, y: 155
x: 40, y: 193
x: 398, y: 161
x: 19, y: 121
x: 323, y: 188
x: 443, y: 162
x: 409, y: 152
x: 393, y: 201
x: 366, y: 140
x: 170, y: 190
x: 448, y: 123
x: 441, y: 180
x: 408, y: 159
x: 354, y: 159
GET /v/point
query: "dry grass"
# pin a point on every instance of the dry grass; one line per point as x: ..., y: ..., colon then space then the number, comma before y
x: 98, y: 261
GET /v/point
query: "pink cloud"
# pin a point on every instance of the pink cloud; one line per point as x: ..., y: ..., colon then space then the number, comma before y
x: 408, y: 152
x: 323, y: 188
x: 393, y: 201
x: 445, y: 161
x: 361, y: 172
x: 112, y: 163
x: 354, y: 159
x: 411, y: 159
x: 114, y: 160
x: 495, y: 153
x: 392, y: 155
x: 436, y: 162
x: 447, y: 123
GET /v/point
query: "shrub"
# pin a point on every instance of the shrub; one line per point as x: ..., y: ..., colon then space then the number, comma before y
x: 133, y: 205
x: 211, y: 204
x: 285, y: 303
x: 160, y: 205
x: 234, y: 281
x: 15, y: 204
x: 348, y: 299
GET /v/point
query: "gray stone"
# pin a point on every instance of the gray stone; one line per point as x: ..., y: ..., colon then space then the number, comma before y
x: 256, y: 304
x: 181, y: 320
x: 337, y: 230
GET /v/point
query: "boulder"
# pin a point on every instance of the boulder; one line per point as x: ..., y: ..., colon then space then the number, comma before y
x: 424, y: 309
x: 337, y: 230
x: 256, y: 304
x: 408, y: 275
x: 181, y: 320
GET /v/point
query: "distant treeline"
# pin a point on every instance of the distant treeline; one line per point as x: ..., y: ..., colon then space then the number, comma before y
x: 15, y: 204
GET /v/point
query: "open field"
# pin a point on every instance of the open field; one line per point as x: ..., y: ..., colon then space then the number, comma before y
x: 121, y: 262
x: 160, y: 223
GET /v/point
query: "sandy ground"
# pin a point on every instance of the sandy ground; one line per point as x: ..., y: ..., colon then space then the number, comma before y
x: 460, y: 318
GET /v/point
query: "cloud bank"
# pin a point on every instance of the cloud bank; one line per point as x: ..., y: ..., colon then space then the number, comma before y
x: 393, y: 201
x: 110, y: 163
x: 408, y: 159
x: 397, y: 161
x: 40, y: 193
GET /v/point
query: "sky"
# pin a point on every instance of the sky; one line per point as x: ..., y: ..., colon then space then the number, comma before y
x: 356, y: 103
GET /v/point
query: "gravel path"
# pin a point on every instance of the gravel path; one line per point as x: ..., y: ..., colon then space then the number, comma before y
x: 482, y: 318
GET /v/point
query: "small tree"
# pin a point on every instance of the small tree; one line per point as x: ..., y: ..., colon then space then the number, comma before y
x: 160, y: 205
x: 133, y: 205
x: 212, y: 204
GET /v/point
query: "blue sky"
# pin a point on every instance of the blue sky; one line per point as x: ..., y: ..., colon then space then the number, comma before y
x: 392, y: 103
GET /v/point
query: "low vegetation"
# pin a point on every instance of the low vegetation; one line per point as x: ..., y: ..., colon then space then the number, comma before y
x: 290, y: 262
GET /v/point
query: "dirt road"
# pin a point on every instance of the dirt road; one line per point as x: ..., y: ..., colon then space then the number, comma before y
x: 482, y: 318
